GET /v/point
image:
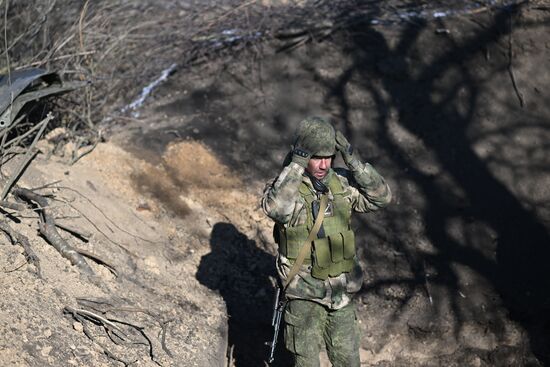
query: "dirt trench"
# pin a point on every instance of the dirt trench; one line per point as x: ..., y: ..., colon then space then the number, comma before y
x: 451, y: 111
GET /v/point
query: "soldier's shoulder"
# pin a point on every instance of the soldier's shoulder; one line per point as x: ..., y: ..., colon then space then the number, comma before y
x: 342, y: 173
x: 345, y: 176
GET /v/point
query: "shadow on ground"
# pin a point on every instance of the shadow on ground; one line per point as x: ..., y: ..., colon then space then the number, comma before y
x: 241, y: 273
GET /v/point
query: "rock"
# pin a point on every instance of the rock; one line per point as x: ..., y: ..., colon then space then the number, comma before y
x: 78, y: 326
x: 46, y: 351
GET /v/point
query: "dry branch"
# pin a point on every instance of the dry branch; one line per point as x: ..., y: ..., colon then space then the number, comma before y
x: 103, y: 214
x: 510, y: 65
x: 83, y: 235
x: 13, y: 206
x: 28, y: 156
x: 99, y: 260
x: 111, y: 328
x: 95, y: 318
x: 48, y: 230
x: 18, y: 238
x: 164, y: 328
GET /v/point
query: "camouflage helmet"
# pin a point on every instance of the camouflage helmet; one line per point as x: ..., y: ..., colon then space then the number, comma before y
x: 317, y: 136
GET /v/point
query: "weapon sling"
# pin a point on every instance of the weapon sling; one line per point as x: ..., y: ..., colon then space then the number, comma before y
x: 306, y: 248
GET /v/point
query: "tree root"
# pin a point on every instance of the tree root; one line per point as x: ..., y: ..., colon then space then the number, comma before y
x: 48, y: 230
x: 115, y: 333
x: 18, y: 238
x: 98, y: 260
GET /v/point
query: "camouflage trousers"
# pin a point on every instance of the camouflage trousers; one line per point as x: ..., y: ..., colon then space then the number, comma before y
x: 309, y: 324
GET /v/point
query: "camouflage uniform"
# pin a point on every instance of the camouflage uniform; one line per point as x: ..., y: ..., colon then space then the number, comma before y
x: 322, y: 309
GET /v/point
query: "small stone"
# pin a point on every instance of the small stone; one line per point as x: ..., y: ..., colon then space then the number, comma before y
x: 47, y: 333
x: 46, y: 351
x: 78, y: 326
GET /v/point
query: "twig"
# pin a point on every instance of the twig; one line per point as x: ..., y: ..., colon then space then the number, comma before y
x: 150, y: 344
x: 111, y: 327
x: 62, y: 57
x: 427, y: 285
x: 164, y: 327
x: 229, y: 12
x: 86, y: 330
x: 94, y: 317
x: 510, y: 67
x: 83, y: 235
x: 48, y: 230
x: 80, y: 22
x: 94, y: 305
x: 20, y: 137
x: 6, y: 44
x: 28, y: 156
x: 103, y: 233
x: 88, y: 150
x: 12, y: 206
x: 230, y: 364
x: 17, y: 237
x: 45, y: 186
x: 98, y: 260
x: 16, y: 268
x: 103, y: 214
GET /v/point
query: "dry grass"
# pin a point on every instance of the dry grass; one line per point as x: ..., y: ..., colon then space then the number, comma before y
x: 120, y: 45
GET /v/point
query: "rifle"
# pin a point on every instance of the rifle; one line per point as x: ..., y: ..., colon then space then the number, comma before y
x: 278, y: 309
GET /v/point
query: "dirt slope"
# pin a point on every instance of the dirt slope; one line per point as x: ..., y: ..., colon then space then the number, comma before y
x: 155, y: 247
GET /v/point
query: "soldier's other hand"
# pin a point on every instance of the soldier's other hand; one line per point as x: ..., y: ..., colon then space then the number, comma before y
x: 342, y: 144
x: 344, y: 147
x: 301, y: 156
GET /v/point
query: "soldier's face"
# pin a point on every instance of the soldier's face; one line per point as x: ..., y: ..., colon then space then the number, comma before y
x: 319, y: 166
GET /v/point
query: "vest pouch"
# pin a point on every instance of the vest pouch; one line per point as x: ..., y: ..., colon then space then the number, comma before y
x: 336, y: 247
x: 290, y: 242
x: 321, y: 253
x: 321, y: 259
x: 349, y: 244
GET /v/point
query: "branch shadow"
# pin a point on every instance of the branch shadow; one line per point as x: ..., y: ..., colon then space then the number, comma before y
x: 465, y: 208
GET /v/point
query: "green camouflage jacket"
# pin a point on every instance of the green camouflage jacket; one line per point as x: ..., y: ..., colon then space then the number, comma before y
x: 366, y: 191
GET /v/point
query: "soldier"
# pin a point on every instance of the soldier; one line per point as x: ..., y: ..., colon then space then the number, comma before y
x: 311, y: 203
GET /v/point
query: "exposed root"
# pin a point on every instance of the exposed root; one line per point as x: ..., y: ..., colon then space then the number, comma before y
x: 99, y: 260
x: 48, y: 230
x: 18, y: 238
x: 29, y: 155
x: 114, y: 332
x: 82, y: 235
x: 164, y: 326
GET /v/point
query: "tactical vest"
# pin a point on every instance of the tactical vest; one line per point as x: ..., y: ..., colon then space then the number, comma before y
x: 333, y: 254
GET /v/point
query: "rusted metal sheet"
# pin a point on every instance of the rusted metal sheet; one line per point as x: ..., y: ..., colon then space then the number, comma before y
x: 23, y: 86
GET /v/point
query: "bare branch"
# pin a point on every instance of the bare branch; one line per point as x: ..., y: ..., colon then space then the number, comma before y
x: 28, y: 157
x: 99, y: 260
x: 18, y: 238
x: 48, y: 230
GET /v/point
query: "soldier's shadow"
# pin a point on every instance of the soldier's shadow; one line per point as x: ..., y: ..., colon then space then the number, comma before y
x: 240, y: 272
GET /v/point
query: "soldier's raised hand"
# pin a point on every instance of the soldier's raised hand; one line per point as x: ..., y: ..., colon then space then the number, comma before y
x: 301, y: 156
x: 344, y: 147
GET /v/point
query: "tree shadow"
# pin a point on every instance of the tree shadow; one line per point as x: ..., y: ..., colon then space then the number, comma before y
x: 466, y: 210
x: 453, y: 208
x: 241, y: 272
